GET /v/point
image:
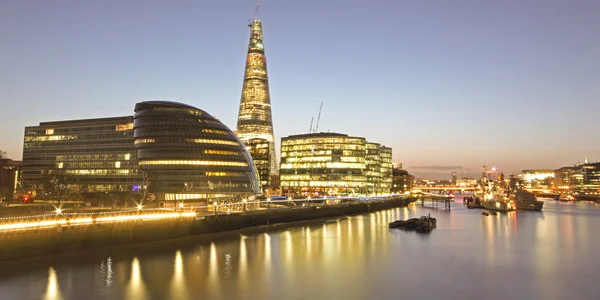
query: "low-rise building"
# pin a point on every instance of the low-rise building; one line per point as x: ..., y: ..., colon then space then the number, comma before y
x: 402, y: 181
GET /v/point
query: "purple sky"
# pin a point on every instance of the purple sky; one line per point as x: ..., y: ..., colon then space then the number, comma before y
x: 447, y: 84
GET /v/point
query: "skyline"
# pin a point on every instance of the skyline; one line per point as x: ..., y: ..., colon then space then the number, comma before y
x: 436, y: 77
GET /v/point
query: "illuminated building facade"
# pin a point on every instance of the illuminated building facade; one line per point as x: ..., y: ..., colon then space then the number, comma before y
x: 254, y: 119
x: 373, y: 167
x: 386, y: 167
x: 401, y: 181
x: 93, y: 155
x: 584, y: 179
x: 537, y: 179
x: 259, y: 150
x: 185, y: 153
x: 333, y: 164
x: 10, y: 177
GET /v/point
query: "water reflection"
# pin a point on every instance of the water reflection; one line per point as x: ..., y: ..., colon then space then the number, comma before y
x: 52, y: 288
x: 213, y: 270
x: 136, y: 288
x: 178, y: 286
x: 106, y: 272
x: 519, y: 255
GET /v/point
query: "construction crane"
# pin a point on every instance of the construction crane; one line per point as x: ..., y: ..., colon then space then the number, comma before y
x: 254, y: 15
x: 311, y: 122
x: 319, y: 117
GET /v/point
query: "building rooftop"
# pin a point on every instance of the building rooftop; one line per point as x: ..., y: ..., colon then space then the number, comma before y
x: 316, y: 135
x: 89, y: 121
x: 158, y: 103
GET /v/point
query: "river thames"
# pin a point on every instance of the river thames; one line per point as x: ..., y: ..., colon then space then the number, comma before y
x: 553, y: 254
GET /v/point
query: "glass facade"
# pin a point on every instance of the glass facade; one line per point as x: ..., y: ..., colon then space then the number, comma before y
x: 10, y: 177
x: 185, y: 153
x: 254, y: 119
x: 331, y: 164
x: 537, y: 179
x: 93, y: 155
x: 259, y: 150
x: 386, y: 168
x: 373, y: 167
x: 581, y: 179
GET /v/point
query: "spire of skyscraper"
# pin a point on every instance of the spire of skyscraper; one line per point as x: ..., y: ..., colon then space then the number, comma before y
x: 254, y: 120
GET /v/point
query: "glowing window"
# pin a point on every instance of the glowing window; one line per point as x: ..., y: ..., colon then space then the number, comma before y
x: 124, y: 127
x: 194, y: 163
x: 144, y: 141
x: 211, y: 141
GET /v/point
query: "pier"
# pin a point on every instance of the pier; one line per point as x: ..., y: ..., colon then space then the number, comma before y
x: 435, y: 200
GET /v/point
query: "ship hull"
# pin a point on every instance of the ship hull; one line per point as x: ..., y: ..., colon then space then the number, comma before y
x: 538, y: 205
x: 497, y: 206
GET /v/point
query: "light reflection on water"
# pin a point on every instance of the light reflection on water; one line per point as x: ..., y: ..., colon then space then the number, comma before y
x: 516, y: 255
x: 136, y: 288
x: 178, y: 285
x: 52, y: 288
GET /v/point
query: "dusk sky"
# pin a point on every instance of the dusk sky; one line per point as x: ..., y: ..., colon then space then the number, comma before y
x: 446, y: 84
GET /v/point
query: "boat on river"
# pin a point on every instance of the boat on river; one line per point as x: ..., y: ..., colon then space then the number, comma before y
x: 527, y: 201
x: 498, y: 203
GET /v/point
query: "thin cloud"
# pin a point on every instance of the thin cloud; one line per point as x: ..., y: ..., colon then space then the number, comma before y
x: 439, y: 168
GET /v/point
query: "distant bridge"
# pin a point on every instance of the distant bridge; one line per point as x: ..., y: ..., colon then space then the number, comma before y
x: 445, y: 188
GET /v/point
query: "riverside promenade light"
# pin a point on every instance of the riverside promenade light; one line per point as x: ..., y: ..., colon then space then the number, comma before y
x: 85, y: 220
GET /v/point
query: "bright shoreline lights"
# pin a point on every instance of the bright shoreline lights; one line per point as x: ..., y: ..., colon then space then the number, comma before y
x: 89, y: 221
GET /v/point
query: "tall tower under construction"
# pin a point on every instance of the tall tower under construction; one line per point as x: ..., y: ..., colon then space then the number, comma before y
x: 255, y: 124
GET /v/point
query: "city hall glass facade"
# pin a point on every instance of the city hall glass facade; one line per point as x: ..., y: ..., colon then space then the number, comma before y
x: 254, y: 119
x: 185, y: 153
x: 93, y: 155
x: 332, y: 164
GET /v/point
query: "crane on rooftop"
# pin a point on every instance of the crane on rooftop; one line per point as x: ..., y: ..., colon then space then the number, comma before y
x: 253, y: 18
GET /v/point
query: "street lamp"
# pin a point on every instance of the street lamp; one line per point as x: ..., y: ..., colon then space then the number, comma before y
x: 58, y: 211
x: 139, y: 207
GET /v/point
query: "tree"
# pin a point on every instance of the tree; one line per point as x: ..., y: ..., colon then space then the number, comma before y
x: 3, y: 154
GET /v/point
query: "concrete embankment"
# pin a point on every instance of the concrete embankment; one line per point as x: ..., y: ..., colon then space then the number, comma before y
x: 47, y: 241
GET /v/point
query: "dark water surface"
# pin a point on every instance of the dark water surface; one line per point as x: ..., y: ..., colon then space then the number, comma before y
x: 554, y: 254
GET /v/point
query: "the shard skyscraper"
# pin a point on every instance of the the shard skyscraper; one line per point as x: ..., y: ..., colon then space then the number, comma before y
x: 255, y: 124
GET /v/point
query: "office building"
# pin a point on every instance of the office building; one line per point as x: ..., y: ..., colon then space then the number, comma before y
x: 259, y: 149
x: 386, y: 171
x: 254, y: 119
x: 373, y: 167
x: 89, y: 156
x: 10, y: 178
x: 583, y: 179
x: 333, y: 164
x: 402, y: 181
x: 536, y: 179
x: 187, y: 154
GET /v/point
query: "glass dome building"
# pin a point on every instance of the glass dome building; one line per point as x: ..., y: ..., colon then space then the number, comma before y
x: 185, y: 153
